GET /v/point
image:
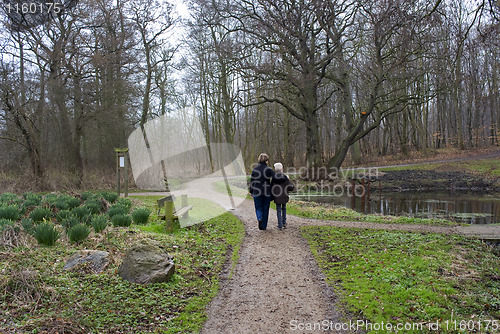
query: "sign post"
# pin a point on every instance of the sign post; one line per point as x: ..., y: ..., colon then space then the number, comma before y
x: 122, y: 164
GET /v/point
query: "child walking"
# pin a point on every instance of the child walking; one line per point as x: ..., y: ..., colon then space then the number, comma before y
x: 280, y: 186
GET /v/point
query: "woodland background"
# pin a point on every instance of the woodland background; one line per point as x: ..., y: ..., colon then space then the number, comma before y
x: 318, y: 83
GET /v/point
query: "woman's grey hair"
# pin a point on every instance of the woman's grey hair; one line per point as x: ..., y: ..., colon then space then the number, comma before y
x: 263, y: 157
x: 278, y: 167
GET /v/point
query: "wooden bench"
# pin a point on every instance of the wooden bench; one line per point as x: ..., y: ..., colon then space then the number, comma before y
x: 172, y: 215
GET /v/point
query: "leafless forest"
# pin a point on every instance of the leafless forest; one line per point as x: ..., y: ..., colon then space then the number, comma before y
x: 309, y: 82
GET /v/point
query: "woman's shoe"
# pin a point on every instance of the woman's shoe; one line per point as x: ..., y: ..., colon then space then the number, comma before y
x: 260, y: 225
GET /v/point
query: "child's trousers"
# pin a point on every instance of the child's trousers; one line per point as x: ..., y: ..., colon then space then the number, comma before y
x: 281, y: 212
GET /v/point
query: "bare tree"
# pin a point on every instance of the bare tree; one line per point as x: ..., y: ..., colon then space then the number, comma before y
x: 16, y: 109
x: 152, y: 20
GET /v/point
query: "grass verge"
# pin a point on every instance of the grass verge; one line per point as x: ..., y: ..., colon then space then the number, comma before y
x: 39, y: 295
x: 329, y: 212
x: 401, y: 277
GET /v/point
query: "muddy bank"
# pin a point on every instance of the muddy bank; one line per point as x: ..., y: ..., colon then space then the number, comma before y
x: 406, y: 180
x: 433, y: 180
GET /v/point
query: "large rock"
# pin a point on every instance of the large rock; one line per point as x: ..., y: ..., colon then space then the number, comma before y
x: 146, y: 262
x: 95, y: 261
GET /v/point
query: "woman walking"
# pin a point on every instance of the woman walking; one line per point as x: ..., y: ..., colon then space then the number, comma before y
x: 260, y: 189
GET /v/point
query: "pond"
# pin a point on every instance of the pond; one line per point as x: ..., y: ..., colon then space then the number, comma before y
x: 472, y: 208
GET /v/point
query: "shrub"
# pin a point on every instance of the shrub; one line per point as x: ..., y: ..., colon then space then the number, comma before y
x: 141, y: 216
x: 70, y: 221
x: 109, y: 196
x: 62, y: 215
x: 5, y: 222
x: 51, y: 199
x: 29, y: 194
x: 46, y: 233
x: 32, y: 201
x: 126, y: 203
x: 82, y: 212
x: 121, y: 220
x: 73, y: 202
x: 9, y: 198
x: 39, y: 214
x: 78, y: 233
x: 117, y: 209
x: 99, y: 223
x: 10, y: 212
x: 86, y: 195
x: 94, y: 205
x: 28, y: 225
x: 61, y: 203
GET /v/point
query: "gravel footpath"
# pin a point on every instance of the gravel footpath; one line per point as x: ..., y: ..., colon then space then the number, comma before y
x: 276, y: 287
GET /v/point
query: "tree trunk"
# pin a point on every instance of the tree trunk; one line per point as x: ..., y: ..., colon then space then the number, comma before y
x: 456, y: 100
x: 147, y: 88
x: 355, y: 150
x: 494, y: 104
x: 339, y: 157
x: 78, y: 129
x: 25, y: 124
x: 313, y: 151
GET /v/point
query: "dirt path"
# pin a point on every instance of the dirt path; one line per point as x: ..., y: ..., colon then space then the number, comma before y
x: 276, y: 285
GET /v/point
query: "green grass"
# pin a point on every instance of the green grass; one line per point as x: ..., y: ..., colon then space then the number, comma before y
x: 401, y: 277
x: 329, y: 212
x: 203, y: 210
x: 485, y: 166
x: 38, y: 294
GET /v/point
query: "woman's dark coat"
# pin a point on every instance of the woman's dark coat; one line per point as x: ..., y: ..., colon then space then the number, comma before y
x: 260, y: 181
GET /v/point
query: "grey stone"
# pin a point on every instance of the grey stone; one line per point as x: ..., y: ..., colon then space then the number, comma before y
x: 98, y: 260
x: 146, y: 262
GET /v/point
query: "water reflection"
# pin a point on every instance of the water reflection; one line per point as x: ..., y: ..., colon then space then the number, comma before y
x: 464, y: 207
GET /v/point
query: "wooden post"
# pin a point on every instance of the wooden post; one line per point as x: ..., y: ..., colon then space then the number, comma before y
x: 125, y: 174
x: 368, y: 189
x: 121, y: 163
x: 118, y: 181
x: 169, y: 216
x: 379, y: 190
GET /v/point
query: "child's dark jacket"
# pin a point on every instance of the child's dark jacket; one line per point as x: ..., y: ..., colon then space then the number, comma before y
x: 280, y: 187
